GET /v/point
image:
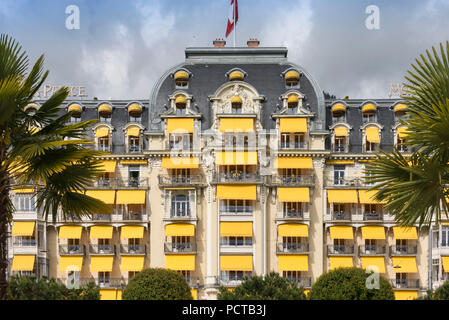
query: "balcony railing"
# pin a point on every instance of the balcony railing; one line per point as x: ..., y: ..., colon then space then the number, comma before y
x: 293, y: 146
x: 173, y: 180
x: 244, y: 210
x: 24, y: 243
x: 373, y: 216
x: 340, y: 216
x: 106, y: 249
x: 372, y: 250
x: 345, y: 181
x: 292, y: 214
x: 101, y: 217
x: 305, y: 282
x: 169, y: 145
x: 293, y: 180
x: 115, y: 183
x: 132, y: 216
x: 134, y: 149
x: 285, y: 247
x: 334, y: 249
x: 403, y: 250
x: 405, y: 283
x: 180, y: 214
x: 71, y: 249
x: 133, y: 249
x: 175, y: 247
x: 235, y: 281
x: 237, y: 177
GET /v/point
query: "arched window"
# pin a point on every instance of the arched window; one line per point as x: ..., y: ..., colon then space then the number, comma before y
x: 369, y: 113
x: 400, y: 111
x: 338, y: 113
x: 76, y: 111
x: 236, y: 104
x: 105, y: 113
x: 180, y: 105
x: 181, y: 79
x: 292, y: 103
x: 292, y: 78
x: 135, y: 113
x: 236, y: 76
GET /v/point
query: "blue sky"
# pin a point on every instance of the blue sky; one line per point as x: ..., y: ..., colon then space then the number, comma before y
x: 122, y: 47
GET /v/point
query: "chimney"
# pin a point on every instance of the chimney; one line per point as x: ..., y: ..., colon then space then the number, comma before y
x: 253, y: 42
x: 219, y: 43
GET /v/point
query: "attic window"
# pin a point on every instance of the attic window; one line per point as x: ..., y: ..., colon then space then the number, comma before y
x: 292, y: 103
x: 180, y: 104
x: 292, y: 78
x: 181, y: 79
x: 236, y: 76
x: 236, y: 104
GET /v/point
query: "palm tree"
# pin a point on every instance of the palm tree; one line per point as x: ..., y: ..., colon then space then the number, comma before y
x: 415, y: 189
x: 39, y: 149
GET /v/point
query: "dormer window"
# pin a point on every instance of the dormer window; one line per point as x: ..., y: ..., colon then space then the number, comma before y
x: 400, y: 111
x: 292, y: 104
x: 338, y: 113
x: 292, y: 78
x: 76, y: 111
x: 105, y: 113
x: 180, y: 105
x: 133, y: 136
x: 135, y: 113
x: 369, y: 113
x: 236, y: 104
x: 181, y: 79
x: 372, y: 139
x: 341, y: 135
x: 31, y: 109
x: 401, y: 139
x: 236, y: 76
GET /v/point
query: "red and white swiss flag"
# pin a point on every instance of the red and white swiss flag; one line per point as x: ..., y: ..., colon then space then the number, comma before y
x: 233, y: 17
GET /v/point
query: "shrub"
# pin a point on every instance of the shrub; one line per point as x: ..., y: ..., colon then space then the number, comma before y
x: 442, y: 292
x: 270, y: 287
x: 349, y: 284
x: 157, y: 284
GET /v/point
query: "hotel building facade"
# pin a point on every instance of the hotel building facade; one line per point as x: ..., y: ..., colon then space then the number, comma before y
x: 236, y: 165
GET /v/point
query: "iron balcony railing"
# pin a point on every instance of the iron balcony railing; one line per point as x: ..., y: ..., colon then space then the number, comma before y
x: 293, y: 180
x: 292, y: 214
x: 405, y: 283
x: 176, y: 247
x: 345, y: 181
x: 106, y: 249
x: 134, y: 149
x: 173, y: 180
x: 115, y: 183
x: 133, y: 249
x: 305, y: 282
x: 234, y: 281
x: 105, y: 282
x: 340, y: 216
x: 237, y: 177
x: 334, y: 249
x: 132, y: 215
x: 286, y: 247
x: 293, y: 146
x: 101, y: 217
x: 180, y: 146
x: 26, y: 243
x: 193, y: 282
x: 71, y: 249
x: 236, y: 209
x: 180, y: 213
x: 372, y: 249
x: 373, y: 216
x: 403, y: 250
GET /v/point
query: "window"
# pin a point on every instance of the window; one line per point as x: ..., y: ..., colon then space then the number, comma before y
x: 293, y: 141
x: 104, y: 245
x: 444, y: 236
x: 180, y: 207
x: 339, y: 246
x: 132, y: 274
x: 236, y: 206
x: 24, y: 241
x: 435, y: 238
x: 73, y: 245
x: 75, y: 118
x: 435, y: 269
x: 291, y: 244
x: 103, y: 278
x: 134, y: 176
x: 236, y: 108
x: 338, y: 116
x: 24, y: 203
x: 103, y: 144
x: 180, y: 109
x: 134, y: 144
x: 181, y: 141
x: 340, y: 144
x: 401, y: 280
x: 339, y: 175
x: 234, y: 141
x: 181, y: 243
x: 340, y: 212
x: 369, y: 116
x: 234, y: 275
x: 236, y: 241
x: 105, y: 117
x: 133, y: 244
x: 370, y: 246
x: 402, y: 147
x: 181, y: 79
x: 180, y: 175
x: 292, y: 276
x: 371, y: 147
x: 291, y: 79
x: 187, y: 275
x: 292, y: 209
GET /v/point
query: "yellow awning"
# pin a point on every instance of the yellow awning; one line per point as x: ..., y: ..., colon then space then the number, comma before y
x: 180, y: 162
x: 180, y: 262
x: 181, y: 75
x: 70, y: 232
x: 339, y: 107
x: 341, y: 232
x: 408, y: 233
x: 340, y: 162
x: 293, y: 262
x: 236, y: 99
x: 132, y: 263
x: 293, y: 124
x: 405, y: 294
x: 23, y: 228
x: 135, y: 108
x: 340, y: 262
x: 101, y: 132
x: 404, y: 264
x: 293, y: 230
x: 342, y: 196
x: 131, y: 196
x: 181, y: 99
x: 372, y: 135
x: 236, y: 158
x: 341, y: 132
x: 180, y: 229
x: 70, y: 263
x: 400, y: 107
x: 402, y: 132
x: 110, y: 294
x: 24, y: 190
x: 105, y: 108
x: 445, y: 262
x: 101, y: 232
x: 108, y: 166
x: 237, y: 192
x: 294, y: 163
x: 76, y: 108
x: 23, y: 263
x: 107, y: 196
x: 132, y: 232
x: 194, y: 293
x: 133, y: 162
x: 292, y: 99
x: 101, y: 263
x: 236, y: 229
x: 236, y: 263
x: 369, y: 108
x: 236, y: 75
x: 236, y: 124
x: 133, y: 132
x: 180, y: 125
x: 367, y: 196
x: 292, y: 75
x: 375, y: 264
x: 293, y: 194
x: 373, y: 232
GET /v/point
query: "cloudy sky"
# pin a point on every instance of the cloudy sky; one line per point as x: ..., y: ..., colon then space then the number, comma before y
x: 123, y: 46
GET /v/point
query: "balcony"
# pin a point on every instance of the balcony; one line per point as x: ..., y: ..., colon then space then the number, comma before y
x: 234, y: 281
x: 293, y: 215
x: 115, y: 183
x: 180, y: 214
x: 168, y: 180
x: 236, y: 210
x: 71, y: 249
x: 344, y: 182
x: 134, y: 149
x: 24, y: 243
x: 133, y: 249
x: 373, y: 216
x: 102, y: 249
x: 175, y: 247
x: 305, y: 282
x: 294, y: 146
x: 334, y: 249
x: 404, y: 250
x: 237, y: 177
x: 171, y: 146
x: 294, y: 248
x: 372, y: 250
x: 132, y: 216
x: 293, y: 180
x: 405, y: 283
x: 341, y: 216
x: 101, y: 217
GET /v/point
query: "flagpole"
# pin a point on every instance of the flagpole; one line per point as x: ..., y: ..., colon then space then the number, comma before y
x: 235, y: 24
